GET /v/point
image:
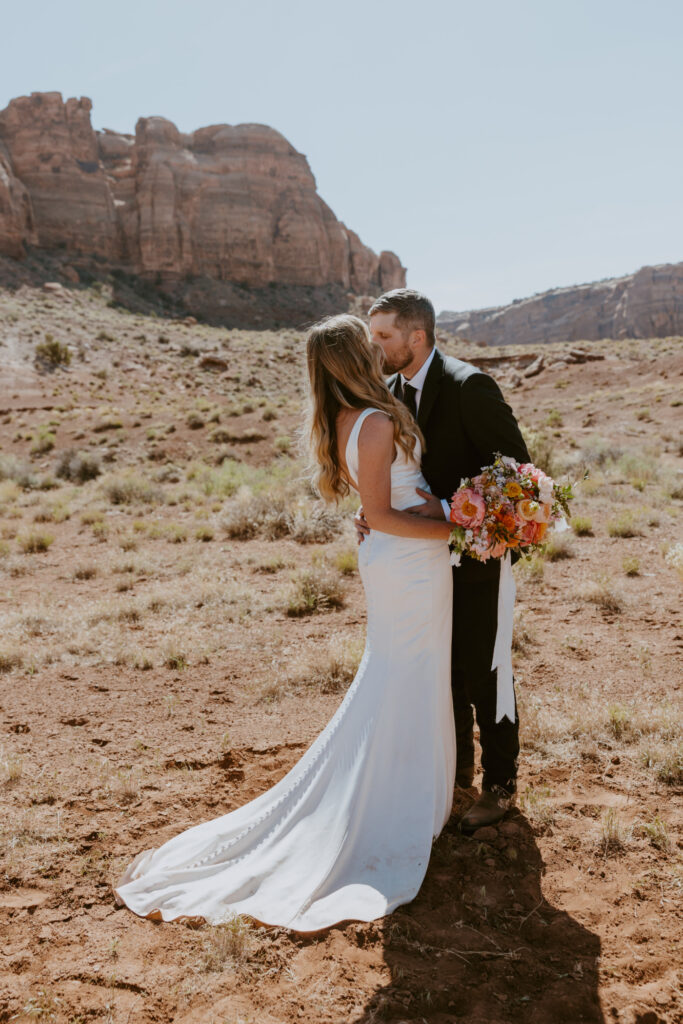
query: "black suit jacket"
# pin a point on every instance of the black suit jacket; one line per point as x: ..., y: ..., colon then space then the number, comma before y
x: 465, y: 420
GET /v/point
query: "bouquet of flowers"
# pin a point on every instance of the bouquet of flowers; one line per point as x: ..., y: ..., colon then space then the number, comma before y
x: 507, y: 507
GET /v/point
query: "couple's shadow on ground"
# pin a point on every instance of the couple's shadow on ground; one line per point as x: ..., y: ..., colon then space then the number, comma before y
x: 481, y: 944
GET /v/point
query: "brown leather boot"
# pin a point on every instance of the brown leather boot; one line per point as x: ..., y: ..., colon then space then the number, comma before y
x: 488, y: 809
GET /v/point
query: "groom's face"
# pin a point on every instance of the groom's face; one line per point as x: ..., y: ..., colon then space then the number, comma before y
x: 398, y: 353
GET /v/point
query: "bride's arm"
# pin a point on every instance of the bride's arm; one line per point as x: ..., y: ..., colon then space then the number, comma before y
x: 375, y: 454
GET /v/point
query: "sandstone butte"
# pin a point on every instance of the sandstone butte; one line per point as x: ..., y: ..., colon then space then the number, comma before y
x: 647, y: 304
x: 225, y: 221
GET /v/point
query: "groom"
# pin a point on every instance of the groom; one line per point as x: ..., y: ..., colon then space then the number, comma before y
x: 465, y: 421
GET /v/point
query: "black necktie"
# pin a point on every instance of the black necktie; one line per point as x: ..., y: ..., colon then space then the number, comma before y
x: 409, y: 395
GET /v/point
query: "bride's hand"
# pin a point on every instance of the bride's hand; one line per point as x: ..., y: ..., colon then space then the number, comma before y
x: 430, y: 509
x: 361, y: 525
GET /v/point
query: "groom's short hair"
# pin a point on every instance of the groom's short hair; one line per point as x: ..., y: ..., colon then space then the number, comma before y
x: 414, y: 311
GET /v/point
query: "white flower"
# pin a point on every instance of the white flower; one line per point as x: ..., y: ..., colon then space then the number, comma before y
x: 509, y: 461
x: 455, y: 558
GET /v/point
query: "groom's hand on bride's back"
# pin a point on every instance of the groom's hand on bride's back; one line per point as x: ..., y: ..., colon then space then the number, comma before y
x: 361, y: 525
x: 430, y: 508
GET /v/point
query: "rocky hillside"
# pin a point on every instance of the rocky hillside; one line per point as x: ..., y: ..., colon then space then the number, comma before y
x: 225, y: 222
x: 646, y: 304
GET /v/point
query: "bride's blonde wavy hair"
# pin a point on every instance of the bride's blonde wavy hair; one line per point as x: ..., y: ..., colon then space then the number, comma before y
x: 345, y: 371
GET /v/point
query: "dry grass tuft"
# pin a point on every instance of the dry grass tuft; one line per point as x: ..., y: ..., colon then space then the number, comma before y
x: 12, y: 469
x: 316, y: 589
x: 531, y: 569
x: 9, y: 660
x: 44, y: 1006
x: 558, y: 548
x: 613, y: 838
x: 601, y: 592
x: 77, y: 466
x: 11, y: 767
x: 127, y: 785
x: 541, y: 447
x: 85, y: 571
x: 35, y: 541
x: 132, y: 490
x: 624, y: 525
x: 666, y: 759
x: 619, y: 721
x: 174, y: 656
x: 346, y: 561
x: 523, y: 635
x: 535, y: 803
x: 674, y: 558
x: 276, y: 516
x: 226, y: 945
x: 328, y: 671
x: 657, y: 832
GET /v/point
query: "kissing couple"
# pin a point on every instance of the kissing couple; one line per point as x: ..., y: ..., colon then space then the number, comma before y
x: 347, y: 833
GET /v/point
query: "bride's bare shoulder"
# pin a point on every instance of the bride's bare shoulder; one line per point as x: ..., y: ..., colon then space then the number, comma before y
x: 377, y: 431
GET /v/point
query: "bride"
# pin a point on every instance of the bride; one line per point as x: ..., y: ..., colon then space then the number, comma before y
x: 347, y: 833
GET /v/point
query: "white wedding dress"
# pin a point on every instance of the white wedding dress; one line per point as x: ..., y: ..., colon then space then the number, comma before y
x: 347, y: 833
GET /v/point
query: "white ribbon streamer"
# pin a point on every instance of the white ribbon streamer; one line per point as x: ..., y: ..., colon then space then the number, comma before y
x: 502, y: 652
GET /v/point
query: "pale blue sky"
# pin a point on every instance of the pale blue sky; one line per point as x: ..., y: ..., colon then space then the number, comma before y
x: 500, y: 148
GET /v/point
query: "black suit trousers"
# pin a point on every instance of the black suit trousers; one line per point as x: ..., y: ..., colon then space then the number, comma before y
x: 475, y: 621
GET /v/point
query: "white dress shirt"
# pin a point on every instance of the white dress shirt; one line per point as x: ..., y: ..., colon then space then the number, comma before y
x: 418, y: 382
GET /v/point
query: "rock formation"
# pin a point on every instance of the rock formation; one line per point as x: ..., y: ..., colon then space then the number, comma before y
x: 646, y: 304
x: 225, y: 220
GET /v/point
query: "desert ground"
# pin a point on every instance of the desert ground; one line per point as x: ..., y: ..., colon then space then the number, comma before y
x: 180, y: 617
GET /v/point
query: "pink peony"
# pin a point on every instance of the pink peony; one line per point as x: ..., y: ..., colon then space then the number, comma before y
x: 468, y: 508
x: 499, y: 549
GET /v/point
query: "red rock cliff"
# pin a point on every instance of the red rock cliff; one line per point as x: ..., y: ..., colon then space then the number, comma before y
x: 647, y: 304
x: 222, y: 205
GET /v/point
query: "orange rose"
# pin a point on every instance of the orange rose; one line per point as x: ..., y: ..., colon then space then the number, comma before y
x: 528, y: 509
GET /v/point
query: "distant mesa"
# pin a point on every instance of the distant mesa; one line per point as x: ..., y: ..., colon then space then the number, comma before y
x: 224, y: 222
x: 647, y: 304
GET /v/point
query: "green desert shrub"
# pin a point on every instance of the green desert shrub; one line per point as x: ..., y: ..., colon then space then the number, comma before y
x: 52, y: 353
x: 35, y: 541
x: 582, y: 526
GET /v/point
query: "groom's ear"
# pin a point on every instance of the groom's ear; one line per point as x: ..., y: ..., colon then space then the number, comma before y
x: 418, y: 337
